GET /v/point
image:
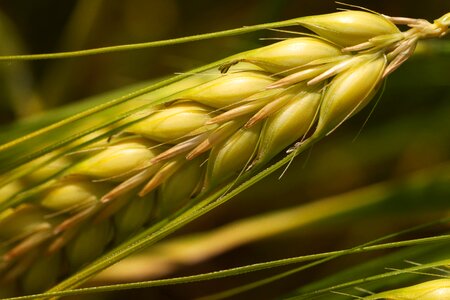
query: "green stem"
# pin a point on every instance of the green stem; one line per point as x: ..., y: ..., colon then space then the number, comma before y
x: 255, y: 284
x: 377, y: 277
x: 231, y: 272
x: 128, y: 47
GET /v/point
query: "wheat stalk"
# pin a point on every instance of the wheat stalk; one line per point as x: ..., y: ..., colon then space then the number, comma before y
x: 292, y: 92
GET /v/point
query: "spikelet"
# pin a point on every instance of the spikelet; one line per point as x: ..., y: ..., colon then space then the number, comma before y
x: 89, y: 243
x: 132, y: 216
x: 9, y: 190
x: 174, y: 195
x: 42, y: 274
x: 206, y: 135
x: 289, y: 124
x: 172, y: 123
x: 291, y: 54
x: 443, y: 21
x: 349, y: 28
x: 228, y: 89
x: 349, y: 92
x: 230, y: 157
x: 23, y: 221
x: 438, y: 289
x: 120, y: 158
x: 73, y: 194
x: 48, y: 169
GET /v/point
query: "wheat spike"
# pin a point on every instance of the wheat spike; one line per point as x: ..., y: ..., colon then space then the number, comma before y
x: 205, y: 136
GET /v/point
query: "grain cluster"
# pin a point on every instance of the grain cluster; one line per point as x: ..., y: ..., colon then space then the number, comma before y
x: 263, y: 101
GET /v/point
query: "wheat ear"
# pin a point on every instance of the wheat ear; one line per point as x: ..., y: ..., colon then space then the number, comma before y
x: 264, y: 101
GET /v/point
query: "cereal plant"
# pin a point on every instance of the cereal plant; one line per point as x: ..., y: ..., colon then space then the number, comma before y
x: 90, y: 190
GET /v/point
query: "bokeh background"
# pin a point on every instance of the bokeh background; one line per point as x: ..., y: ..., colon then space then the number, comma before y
x: 409, y: 130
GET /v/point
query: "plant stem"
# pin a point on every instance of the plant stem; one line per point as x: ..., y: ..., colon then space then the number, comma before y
x: 230, y: 272
x: 137, y: 46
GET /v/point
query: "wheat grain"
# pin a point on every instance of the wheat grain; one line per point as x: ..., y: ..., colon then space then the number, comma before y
x: 205, y: 136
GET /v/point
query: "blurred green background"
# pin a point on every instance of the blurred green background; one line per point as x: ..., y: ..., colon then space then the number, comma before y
x: 409, y: 130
